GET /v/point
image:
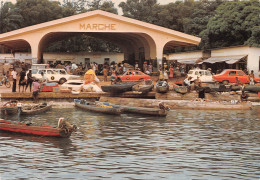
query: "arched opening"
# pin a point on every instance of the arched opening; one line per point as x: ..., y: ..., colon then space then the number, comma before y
x: 135, y: 46
x: 19, y: 45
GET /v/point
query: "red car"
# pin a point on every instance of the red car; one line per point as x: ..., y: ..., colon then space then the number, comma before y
x: 229, y: 76
x: 132, y: 75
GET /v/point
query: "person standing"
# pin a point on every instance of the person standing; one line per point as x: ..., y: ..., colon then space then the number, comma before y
x: 136, y: 65
x: 145, y: 67
x: 22, y: 81
x: 171, y: 72
x: 14, y: 75
x: 251, y: 78
x: 150, y: 68
x: 105, y: 72
x: 161, y: 75
x: 36, y: 89
x: 29, y: 80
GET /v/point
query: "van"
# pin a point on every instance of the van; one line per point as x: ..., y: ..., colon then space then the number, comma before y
x: 53, y: 75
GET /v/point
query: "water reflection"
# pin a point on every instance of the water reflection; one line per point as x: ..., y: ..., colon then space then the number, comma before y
x: 184, y: 145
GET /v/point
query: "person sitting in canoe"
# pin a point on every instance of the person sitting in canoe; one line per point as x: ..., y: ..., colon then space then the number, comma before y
x: 91, y: 81
x: 187, y: 82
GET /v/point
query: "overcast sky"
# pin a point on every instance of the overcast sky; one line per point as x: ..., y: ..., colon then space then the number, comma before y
x: 118, y: 1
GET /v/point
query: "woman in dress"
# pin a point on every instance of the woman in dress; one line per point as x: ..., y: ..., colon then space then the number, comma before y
x: 171, y: 72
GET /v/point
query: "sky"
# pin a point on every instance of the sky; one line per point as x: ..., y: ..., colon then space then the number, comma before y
x: 118, y: 1
x: 115, y: 1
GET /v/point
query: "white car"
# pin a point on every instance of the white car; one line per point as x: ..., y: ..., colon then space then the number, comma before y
x: 53, y: 75
x: 204, y: 75
x: 73, y: 85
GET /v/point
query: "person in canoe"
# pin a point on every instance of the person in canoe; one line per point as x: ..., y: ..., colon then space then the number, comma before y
x: 91, y: 80
x: 187, y: 82
x: 243, y: 96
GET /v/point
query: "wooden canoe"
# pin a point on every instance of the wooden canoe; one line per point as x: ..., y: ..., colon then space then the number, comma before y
x: 180, y: 89
x: 143, y: 88
x: 119, y: 88
x: 29, y: 129
x: 139, y: 110
x: 162, y: 87
x: 9, y: 108
x: 252, y: 88
x: 32, y: 110
x: 83, y: 104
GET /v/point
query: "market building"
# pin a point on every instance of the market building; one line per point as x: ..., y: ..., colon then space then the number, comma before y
x: 237, y: 57
x: 138, y: 40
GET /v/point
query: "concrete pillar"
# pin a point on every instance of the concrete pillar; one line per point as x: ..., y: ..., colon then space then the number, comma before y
x: 35, y: 47
x: 159, y: 55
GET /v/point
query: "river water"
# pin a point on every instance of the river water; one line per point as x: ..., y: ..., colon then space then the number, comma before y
x: 187, y: 144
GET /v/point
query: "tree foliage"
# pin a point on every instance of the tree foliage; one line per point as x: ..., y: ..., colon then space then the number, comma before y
x: 39, y: 11
x: 143, y: 10
x: 220, y: 23
x: 235, y: 23
x: 10, y: 17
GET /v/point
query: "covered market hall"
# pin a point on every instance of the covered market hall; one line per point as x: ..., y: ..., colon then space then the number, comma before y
x: 138, y: 40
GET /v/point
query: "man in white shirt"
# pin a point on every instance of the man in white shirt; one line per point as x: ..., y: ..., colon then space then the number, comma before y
x: 14, y: 74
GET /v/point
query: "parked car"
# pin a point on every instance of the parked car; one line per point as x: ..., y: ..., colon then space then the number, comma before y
x: 132, y: 75
x: 229, y: 76
x: 53, y: 75
x: 204, y: 75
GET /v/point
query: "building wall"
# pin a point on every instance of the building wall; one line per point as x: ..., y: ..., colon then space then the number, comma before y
x: 73, y: 57
x: 6, y: 58
x: 231, y: 51
x: 253, y: 60
x: 187, y: 55
x: 253, y: 53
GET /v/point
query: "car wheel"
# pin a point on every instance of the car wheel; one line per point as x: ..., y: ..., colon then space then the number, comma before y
x: 62, y: 80
x: 225, y: 82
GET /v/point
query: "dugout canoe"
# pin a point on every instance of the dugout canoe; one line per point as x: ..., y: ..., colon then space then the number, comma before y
x: 9, y: 108
x: 35, y: 109
x: 162, y: 87
x: 64, y: 129
x: 95, y: 107
x: 140, y: 110
x: 119, y: 88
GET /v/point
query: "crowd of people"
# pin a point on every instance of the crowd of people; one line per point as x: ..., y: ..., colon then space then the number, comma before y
x: 166, y: 72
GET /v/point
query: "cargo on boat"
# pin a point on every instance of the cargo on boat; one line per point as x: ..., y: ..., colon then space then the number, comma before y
x: 95, y: 107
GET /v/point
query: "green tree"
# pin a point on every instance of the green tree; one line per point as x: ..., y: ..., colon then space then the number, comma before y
x: 235, y: 23
x: 10, y: 17
x: 39, y: 11
x: 143, y: 10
